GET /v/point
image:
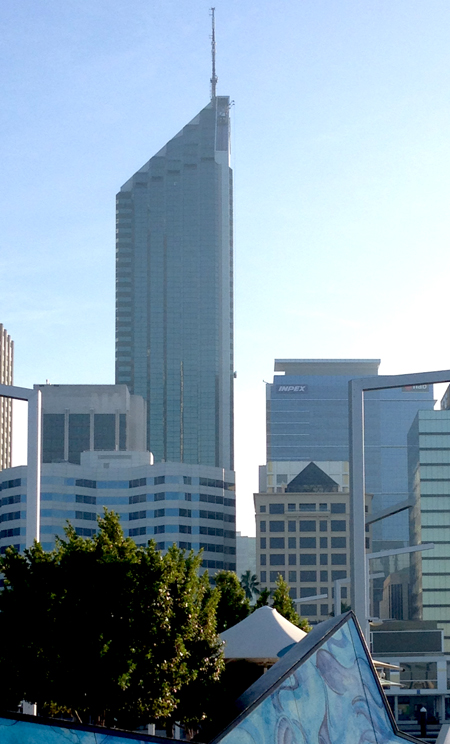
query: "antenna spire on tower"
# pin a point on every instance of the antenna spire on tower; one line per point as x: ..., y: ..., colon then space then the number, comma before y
x: 213, y: 56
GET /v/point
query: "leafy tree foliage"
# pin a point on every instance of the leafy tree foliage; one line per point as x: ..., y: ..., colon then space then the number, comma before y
x: 283, y: 603
x: 233, y: 605
x: 250, y: 583
x: 111, y: 632
x: 263, y: 599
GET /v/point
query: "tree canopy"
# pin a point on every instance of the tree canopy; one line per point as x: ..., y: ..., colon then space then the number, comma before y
x: 283, y: 603
x: 233, y: 605
x: 250, y: 584
x: 108, y: 631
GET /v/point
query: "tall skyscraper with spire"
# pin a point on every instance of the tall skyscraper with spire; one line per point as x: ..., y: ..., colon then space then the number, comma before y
x: 174, y: 290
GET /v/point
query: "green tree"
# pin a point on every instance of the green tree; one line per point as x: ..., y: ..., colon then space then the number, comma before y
x: 263, y: 599
x: 233, y: 605
x: 282, y: 602
x: 108, y: 631
x: 250, y: 583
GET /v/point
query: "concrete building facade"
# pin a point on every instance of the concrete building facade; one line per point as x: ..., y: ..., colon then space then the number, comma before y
x: 6, y: 378
x: 174, y: 292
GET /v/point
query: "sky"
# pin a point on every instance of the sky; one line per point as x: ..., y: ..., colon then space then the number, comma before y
x: 341, y: 158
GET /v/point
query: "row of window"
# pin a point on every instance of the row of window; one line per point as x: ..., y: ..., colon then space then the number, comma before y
x: 279, y: 508
x: 279, y: 543
x: 304, y: 577
x: 9, y: 516
x: 157, y: 513
x: 11, y: 484
x: 304, y: 559
x: 16, y: 499
x: 304, y: 525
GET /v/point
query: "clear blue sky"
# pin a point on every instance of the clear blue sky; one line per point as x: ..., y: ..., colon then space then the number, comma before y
x: 341, y: 152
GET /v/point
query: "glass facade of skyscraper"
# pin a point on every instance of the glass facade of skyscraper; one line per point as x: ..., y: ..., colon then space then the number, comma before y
x: 174, y: 293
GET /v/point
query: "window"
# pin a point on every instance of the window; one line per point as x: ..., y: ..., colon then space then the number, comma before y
x: 160, y: 528
x: 82, y: 499
x: 368, y: 543
x: 338, y: 525
x: 275, y: 574
x: 323, y: 526
x: 292, y: 576
x: 276, y: 526
x: 277, y: 543
x: 262, y: 526
x: 308, y: 609
x: 338, y: 542
x: 86, y: 515
x: 338, y: 559
x: 291, y: 507
x: 262, y: 559
x: 324, y: 542
x: 263, y: 577
x: 291, y: 526
x: 136, y: 499
x: 335, y: 575
x: 323, y: 507
x: 308, y: 591
x: 262, y: 508
x: 262, y: 543
x: 277, y: 559
x: 157, y: 513
x: 307, y: 507
x: 292, y: 559
x: 337, y: 508
x: 307, y: 525
x: 307, y: 542
x: 324, y: 575
x: 139, y: 515
x: 159, y: 496
x: 187, y: 480
x: 293, y: 592
x: 137, y: 482
x: 323, y: 559
x: 324, y: 609
x: 160, y: 479
x: 308, y: 576
x: 292, y: 543
x: 276, y: 508
x: 135, y: 531
x: 308, y: 559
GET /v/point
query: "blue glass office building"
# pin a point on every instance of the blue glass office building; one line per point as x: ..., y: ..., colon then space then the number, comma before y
x: 307, y: 420
x: 174, y: 292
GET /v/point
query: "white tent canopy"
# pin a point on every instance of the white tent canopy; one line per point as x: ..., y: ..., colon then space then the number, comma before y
x: 261, y: 637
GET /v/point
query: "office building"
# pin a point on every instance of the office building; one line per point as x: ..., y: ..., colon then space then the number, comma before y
x: 245, y: 554
x: 174, y: 292
x: 429, y: 472
x: 303, y: 534
x: 79, y: 418
x: 190, y: 505
x: 6, y: 378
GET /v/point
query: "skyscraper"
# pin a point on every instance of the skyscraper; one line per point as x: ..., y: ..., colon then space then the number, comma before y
x: 6, y: 378
x: 174, y: 292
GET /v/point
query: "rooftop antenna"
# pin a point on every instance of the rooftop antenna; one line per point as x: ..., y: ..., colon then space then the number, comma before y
x: 213, y: 56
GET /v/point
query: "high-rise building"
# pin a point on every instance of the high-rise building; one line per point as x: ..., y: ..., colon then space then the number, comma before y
x: 174, y: 292
x: 83, y: 418
x: 429, y: 478
x: 6, y: 378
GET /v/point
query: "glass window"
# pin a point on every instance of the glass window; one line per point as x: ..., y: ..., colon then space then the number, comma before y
x: 335, y: 575
x: 291, y: 526
x: 323, y: 526
x: 324, y: 609
x: 262, y: 526
x: 292, y: 543
x: 263, y: 577
x: 276, y: 526
x: 338, y: 559
x: 323, y: 559
x: 262, y: 508
x: 419, y: 675
x: 262, y: 559
x: 324, y: 575
x: 308, y: 576
x: 104, y: 431
x: 277, y: 559
x: 292, y: 559
x: 275, y: 574
x: 310, y: 610
x: 337, y: 508
x: 338, y: 525
x: 307, y: 525
x: 323, y: 507
x: 338, y: 542
x: 308, y: 559
x: 291, y: 507
x: 276, y: 508
x: 277, y: 543
x: 307, y: 507
x: 324, y: 542
x: 292, y: 576
x: 262, y: 543
x: 307, y: 542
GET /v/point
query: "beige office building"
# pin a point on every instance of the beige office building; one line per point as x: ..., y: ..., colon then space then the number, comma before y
x: 303, y: 533
x: 6, y: 378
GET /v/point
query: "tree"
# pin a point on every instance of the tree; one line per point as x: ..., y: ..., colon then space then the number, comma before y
x: 250, y: 583
x: 233, y: 605
x: 282, y: 602
x: 263, y: 599
x: 108, y: 631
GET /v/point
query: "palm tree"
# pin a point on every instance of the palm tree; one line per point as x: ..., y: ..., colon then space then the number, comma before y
x: 250, y: 583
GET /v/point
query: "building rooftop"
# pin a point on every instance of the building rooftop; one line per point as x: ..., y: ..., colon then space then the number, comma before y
x: 353, y: 367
